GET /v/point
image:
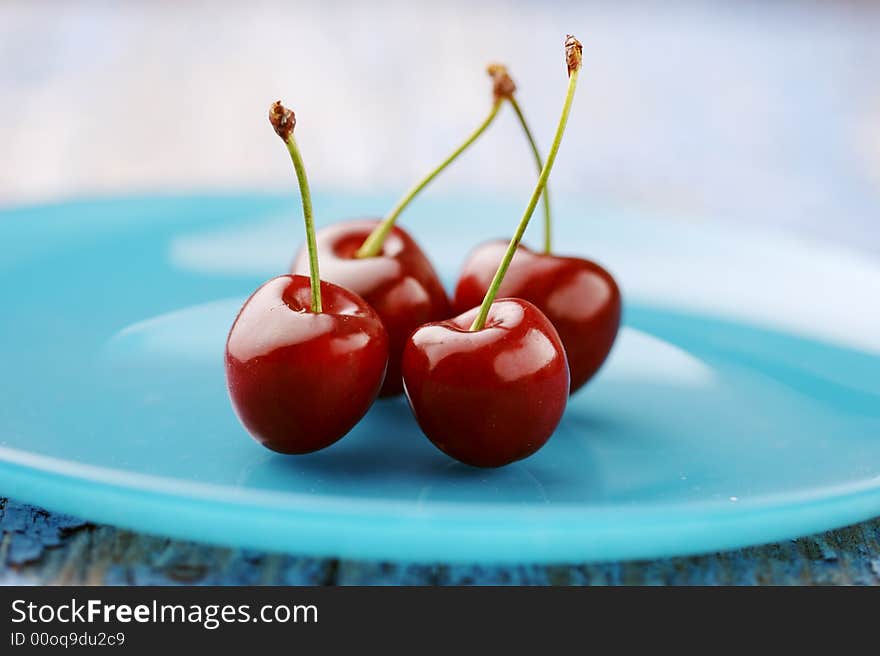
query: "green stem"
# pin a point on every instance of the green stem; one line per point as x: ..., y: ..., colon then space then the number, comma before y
x: 539, y: 162
x: 306, y: 196
x: 483, y: 313
x: 372, y: 245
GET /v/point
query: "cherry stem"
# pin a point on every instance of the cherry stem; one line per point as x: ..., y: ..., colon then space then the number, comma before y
x: 539, y: 162
x: 284, y: 120
x: 372, y: 245
x: 573, y: 50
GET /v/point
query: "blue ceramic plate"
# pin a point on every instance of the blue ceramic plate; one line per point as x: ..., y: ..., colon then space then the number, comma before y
x: 741, y: 403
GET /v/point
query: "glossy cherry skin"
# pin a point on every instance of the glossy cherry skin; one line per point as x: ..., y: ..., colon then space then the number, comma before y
x: 492, y: 396
x: 580, y: 298
x: 400, y: 283
x: 301, y: 380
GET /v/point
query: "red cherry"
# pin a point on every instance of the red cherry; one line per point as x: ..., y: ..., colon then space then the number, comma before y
x: 305, y: 359
x: 491, y: 396
x: 489, y: 386
x: 300, y: 380
x: 580, y: 298
x: 399, y: 283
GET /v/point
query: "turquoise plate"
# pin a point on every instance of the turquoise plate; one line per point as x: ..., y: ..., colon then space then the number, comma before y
x: 740, y: 405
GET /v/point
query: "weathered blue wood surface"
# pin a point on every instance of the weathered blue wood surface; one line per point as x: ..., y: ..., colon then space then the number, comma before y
x: 38, y: 547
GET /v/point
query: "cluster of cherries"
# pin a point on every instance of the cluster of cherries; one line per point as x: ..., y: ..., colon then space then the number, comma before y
x: 487, y: 380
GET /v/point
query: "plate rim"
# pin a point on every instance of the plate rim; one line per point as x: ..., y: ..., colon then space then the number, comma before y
x: 687, y: 529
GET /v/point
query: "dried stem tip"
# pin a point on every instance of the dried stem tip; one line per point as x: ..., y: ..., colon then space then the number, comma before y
x: 502, y: 84
x: 573, y: 53
x: 282, y: 119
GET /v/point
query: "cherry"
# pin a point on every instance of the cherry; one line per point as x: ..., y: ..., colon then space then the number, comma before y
x: 305, y: 359
x: 300, y: 380
x: 489, y: 386
x: 580, y: 298
x: 492, y: 396
x: 400, y: 283
x: 385, y: 266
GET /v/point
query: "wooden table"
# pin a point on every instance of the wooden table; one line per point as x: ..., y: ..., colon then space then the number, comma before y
x: 746, y: 113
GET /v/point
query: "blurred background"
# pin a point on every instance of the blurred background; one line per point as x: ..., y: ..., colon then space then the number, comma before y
x: 746, y: 112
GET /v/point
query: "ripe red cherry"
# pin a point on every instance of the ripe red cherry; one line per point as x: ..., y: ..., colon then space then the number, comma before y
x: 300, y: 380
x: 305, y: 359
x: 489, y: 386
x: 399, y: 283
x: 580, y: 298
x: 492, y: 396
